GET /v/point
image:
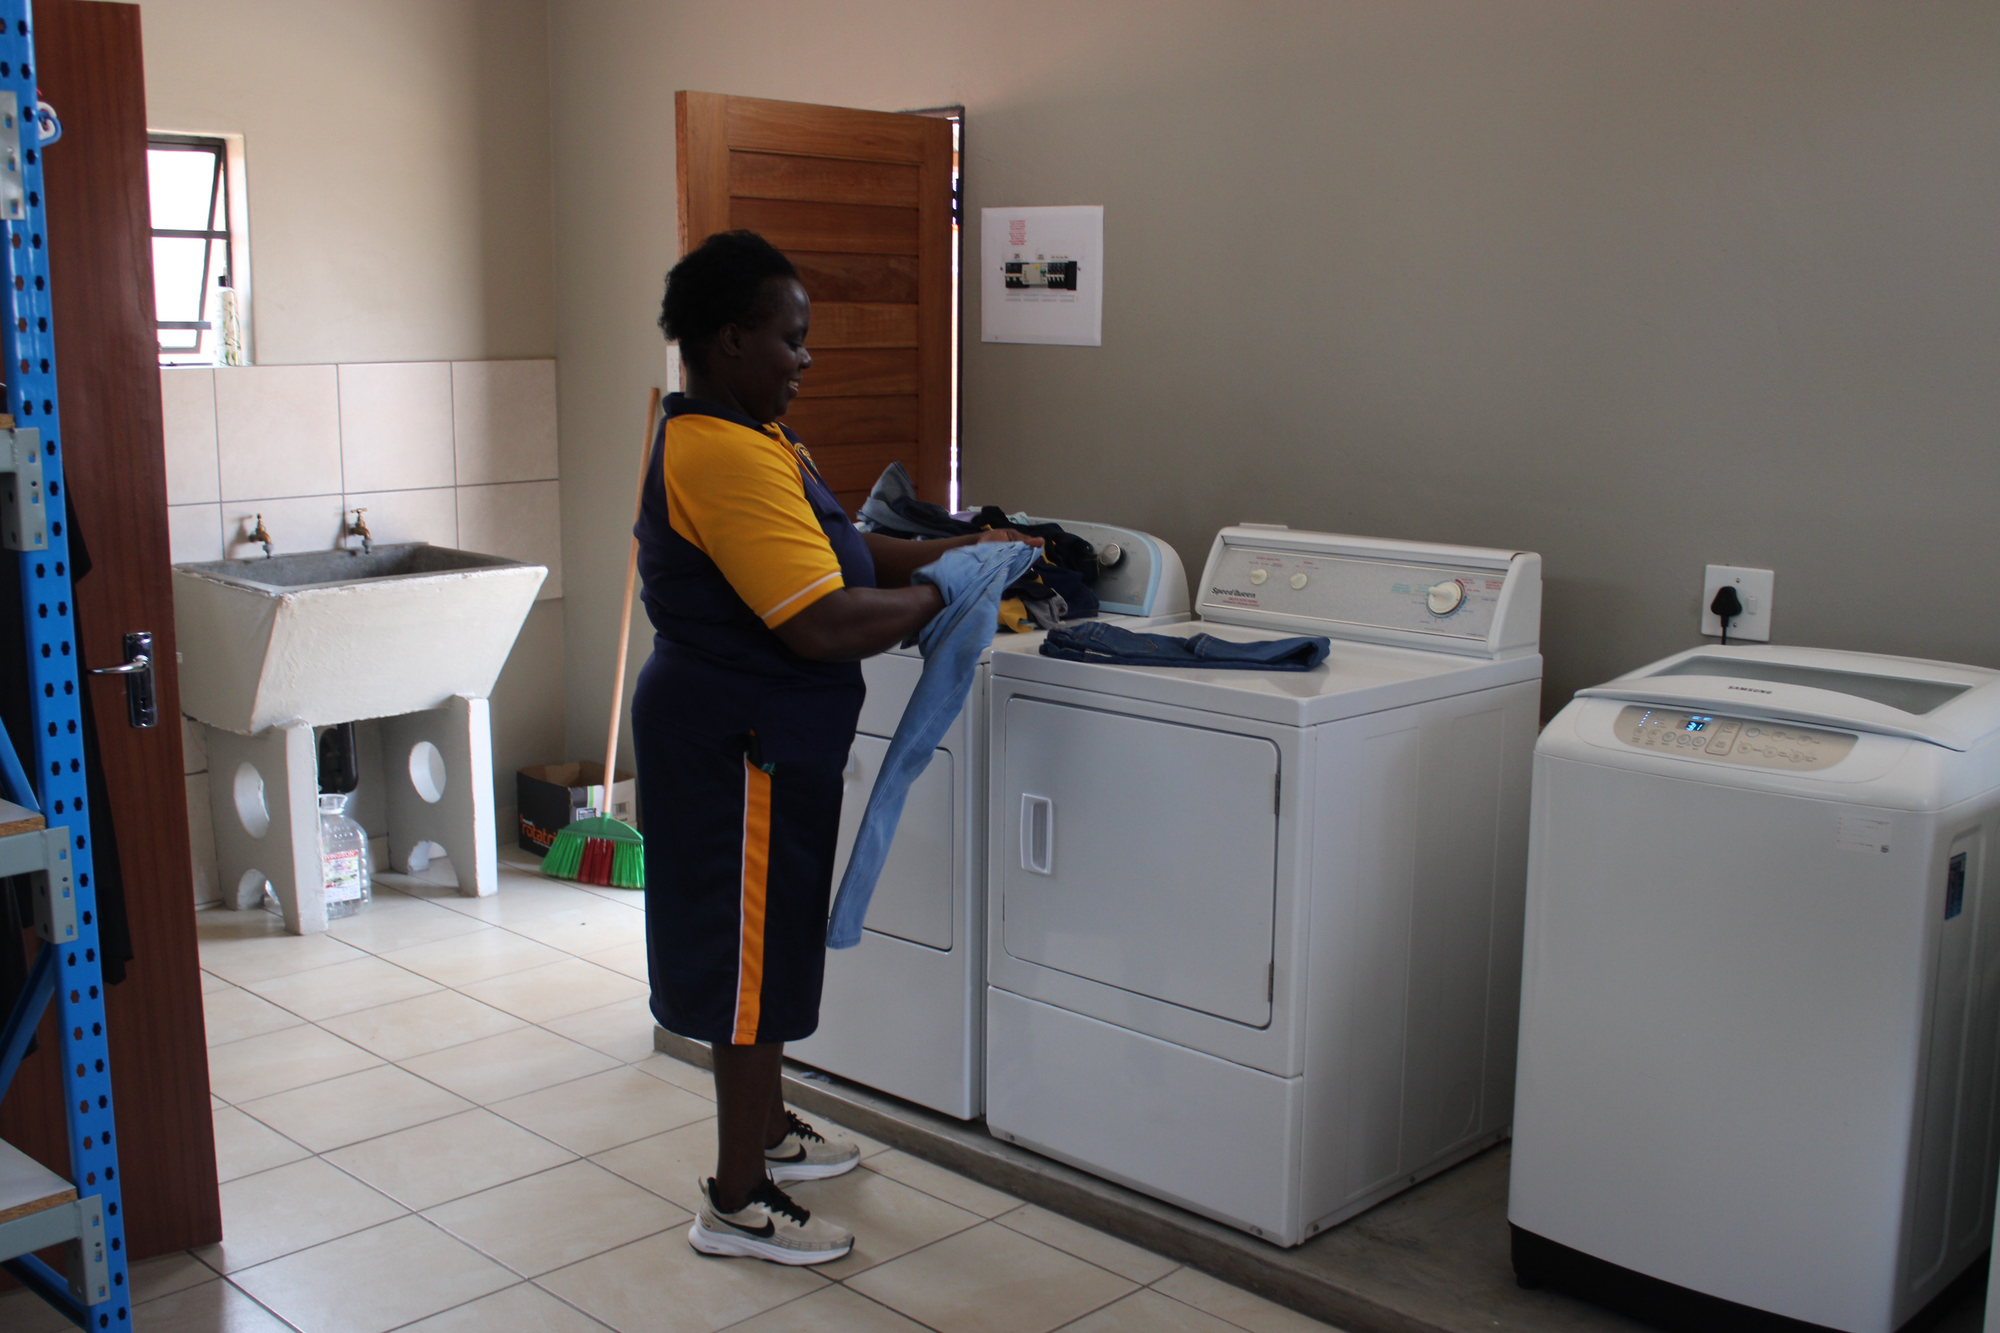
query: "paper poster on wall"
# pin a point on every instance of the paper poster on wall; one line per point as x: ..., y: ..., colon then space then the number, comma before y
x: 1042, y: 275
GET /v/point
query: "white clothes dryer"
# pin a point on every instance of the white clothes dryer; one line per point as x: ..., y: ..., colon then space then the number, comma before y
x: 1761, y: 1003
x: 904, y: 1011
x: 1254, y: 937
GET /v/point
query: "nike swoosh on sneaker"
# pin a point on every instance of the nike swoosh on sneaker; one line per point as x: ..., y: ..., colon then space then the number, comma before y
x: 765, y: 1232
x: 798, y: 1156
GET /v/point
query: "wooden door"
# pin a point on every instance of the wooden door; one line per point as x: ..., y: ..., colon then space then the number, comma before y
x: 861, y: 202
x: 101, y: 290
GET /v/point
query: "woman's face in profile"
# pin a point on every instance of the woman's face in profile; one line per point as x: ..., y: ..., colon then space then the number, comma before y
x: 763, y: 363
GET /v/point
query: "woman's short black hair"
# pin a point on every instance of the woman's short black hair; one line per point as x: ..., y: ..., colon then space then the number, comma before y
x: 719, y: 282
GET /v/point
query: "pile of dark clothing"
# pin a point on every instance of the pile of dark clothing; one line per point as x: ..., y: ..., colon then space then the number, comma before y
x: 1057, y: 587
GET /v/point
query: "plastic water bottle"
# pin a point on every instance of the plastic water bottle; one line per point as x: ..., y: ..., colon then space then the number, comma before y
x: 343, y: 857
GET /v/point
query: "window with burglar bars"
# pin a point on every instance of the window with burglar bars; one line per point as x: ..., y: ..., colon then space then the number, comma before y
x: 194, y: 260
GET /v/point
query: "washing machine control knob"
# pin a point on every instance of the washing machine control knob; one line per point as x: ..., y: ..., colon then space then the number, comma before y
x: 1298, y: 580
x: 1109, y: 554
x: 1259, y: 575
x: 1445, y: 597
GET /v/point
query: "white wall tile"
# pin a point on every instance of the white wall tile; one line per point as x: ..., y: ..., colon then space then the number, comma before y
x: 504, y: 415
x: 194, y: 532
x: 407, y: 516
x: 522, y: 521
x: 187, y: 405
x: 201, y: 841
x: 277, y: 431
x: 308, y: 523
x: 396, y: 426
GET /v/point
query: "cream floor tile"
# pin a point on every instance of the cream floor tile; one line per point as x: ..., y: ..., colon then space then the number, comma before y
x: 679, y: 1073
x: 397, y: 921
x: 1234, y: 1305
x: 627, y: 958
x: 231, y: 1014
x: 605, y: 1110
x: 669, y: 1164
x: 834, y: 1310
x: 211, y: 982
x: 420, y: 1025
x: 1089, y: 1244
x: 355, y: 1107
x: 521, y: 898
x: 25, y: 1312
x: 632, y: 898
x: 244, y: 1147
x: 215, y: 1103
x: 869, y: 1147
x: 212, y: 1307
x: 556, y: 1218
x: 252, y: 953
x: 513, y: 1063
x: 624, y: 1287
x: 888, y: 1218
x: 343, y: 988
x: 555, y: 991
x: 940, y: 1183
x: 623, y: 1031
x: 588, y: 928
x: 525, y: 1308
x: 262, y: 1219
x: 374, y: 1280
x: 474, y: 956
x: 430, y: 1164
x: 153, y: 1278
x: 276, y: 1062
x: 1149, y: 1312
x: 991, y: 1280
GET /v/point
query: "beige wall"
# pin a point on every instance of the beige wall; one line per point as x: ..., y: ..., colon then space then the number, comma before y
x: 398, y: 161
x: 1640, y: 286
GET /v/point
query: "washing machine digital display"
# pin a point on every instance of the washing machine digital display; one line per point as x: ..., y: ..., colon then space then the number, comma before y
x: 1732, y: 740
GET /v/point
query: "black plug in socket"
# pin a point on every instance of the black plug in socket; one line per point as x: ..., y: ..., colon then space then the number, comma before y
x: 1727, y: 605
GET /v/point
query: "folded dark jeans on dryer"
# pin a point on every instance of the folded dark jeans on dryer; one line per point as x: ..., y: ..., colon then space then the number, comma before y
x: 1108, y: 644
x: 971, y: 579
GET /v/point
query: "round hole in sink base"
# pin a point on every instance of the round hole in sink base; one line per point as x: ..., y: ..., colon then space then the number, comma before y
x: 422, y: 855
x: 248, y: 791
x: 251, y: 890
x: 427, y: 771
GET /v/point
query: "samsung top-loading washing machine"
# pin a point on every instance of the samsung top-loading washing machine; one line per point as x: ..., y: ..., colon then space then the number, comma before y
x: 1253, y: 937
x: 1761, y: 1002
x: 903, y: 1012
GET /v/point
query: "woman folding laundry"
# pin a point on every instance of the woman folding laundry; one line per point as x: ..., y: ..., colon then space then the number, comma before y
x: 763, y: 598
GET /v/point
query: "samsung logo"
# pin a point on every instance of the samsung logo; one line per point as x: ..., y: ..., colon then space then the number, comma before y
x: 1747, y: 689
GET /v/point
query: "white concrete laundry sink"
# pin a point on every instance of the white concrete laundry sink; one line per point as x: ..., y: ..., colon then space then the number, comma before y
x: 333, y: 636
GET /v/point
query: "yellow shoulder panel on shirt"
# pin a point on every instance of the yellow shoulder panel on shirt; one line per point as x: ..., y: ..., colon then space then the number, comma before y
x: 736, y: 494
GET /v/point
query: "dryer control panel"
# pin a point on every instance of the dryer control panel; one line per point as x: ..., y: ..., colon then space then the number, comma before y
x: 1786, y: 746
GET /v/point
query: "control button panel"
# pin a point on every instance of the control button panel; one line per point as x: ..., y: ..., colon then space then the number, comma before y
x: 1786, y: 746
x: 1344, y: 590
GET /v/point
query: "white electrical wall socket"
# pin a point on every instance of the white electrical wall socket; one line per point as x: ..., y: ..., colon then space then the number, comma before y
x: 1753, y: 589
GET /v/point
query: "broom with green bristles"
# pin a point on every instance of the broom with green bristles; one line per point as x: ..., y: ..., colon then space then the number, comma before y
x: 603, y: 850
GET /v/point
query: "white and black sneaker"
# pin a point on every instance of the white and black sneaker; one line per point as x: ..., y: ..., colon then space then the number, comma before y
x: 771, y: 1226
x: 806, y: 1154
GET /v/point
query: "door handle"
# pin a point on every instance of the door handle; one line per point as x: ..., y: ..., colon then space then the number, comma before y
x: 142, y: 707
x: 1038, y: 834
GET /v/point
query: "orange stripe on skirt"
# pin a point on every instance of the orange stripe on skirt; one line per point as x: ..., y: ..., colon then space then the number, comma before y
x: 756, y: 867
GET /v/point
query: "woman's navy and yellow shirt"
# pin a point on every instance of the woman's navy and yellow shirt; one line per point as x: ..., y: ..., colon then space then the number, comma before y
x: 737, y: 534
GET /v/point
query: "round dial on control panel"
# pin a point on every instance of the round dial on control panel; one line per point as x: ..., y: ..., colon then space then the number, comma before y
x: 1298, y: 580
x: 1259, y: 575
x: 1445, y: 597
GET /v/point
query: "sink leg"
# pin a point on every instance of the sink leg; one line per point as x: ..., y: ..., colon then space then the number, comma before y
x: 264, y: 801
x: 438, y: 767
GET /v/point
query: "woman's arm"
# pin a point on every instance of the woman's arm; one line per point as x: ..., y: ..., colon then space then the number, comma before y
x: 897, y: 559
x: 852, y: 623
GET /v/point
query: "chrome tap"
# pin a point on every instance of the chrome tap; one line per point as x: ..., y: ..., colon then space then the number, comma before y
x: 261, y: 537
x: 359, y: 528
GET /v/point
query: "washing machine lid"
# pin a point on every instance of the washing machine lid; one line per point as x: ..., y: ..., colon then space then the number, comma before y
x: 1467, y: 600
x: 1946, y: 704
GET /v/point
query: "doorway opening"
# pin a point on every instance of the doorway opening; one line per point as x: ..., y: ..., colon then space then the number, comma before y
x: 956, y: 115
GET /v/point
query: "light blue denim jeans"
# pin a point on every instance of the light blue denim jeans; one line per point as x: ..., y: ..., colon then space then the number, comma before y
x: 971, y: 579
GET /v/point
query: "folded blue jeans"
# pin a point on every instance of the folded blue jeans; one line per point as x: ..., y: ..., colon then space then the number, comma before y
x: 971, y: 579
x: 1096, y: 641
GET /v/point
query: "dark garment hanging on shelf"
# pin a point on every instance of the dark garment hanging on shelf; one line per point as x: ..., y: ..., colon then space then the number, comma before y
x: 113, y: 924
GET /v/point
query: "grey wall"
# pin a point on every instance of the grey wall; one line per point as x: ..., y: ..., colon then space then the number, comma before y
x: 1641, y: 286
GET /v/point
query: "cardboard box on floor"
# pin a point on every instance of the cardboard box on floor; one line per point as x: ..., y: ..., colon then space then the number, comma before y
x: 550, y: 795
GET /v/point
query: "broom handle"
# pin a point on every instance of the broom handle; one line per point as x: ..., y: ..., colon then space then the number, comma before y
x: 625, y: 611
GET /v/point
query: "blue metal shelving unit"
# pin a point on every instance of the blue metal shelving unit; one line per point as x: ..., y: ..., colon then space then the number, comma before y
x: 84, y: 1210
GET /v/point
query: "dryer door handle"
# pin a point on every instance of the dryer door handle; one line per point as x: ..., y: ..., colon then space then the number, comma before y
x: 1038, y: 834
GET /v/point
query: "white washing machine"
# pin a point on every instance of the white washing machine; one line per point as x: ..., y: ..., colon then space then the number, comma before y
x: 903, y: 1012
x: 1254, y: 937
x: 1761, y: 1003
